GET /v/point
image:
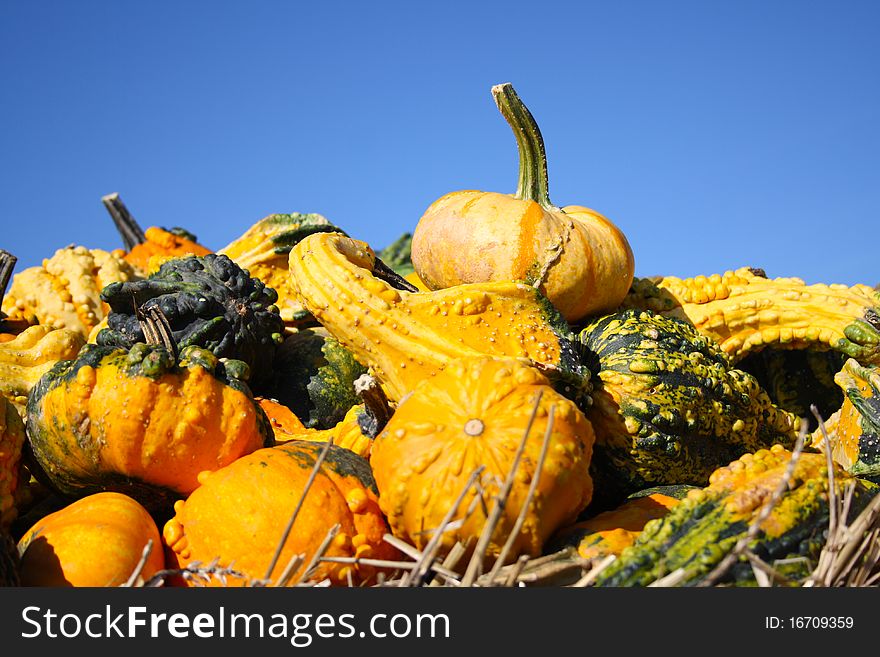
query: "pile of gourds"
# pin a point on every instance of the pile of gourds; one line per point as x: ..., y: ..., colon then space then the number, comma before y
x: 296, y: 408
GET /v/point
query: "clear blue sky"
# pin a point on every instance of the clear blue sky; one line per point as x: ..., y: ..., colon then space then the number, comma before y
x: 715, y: 134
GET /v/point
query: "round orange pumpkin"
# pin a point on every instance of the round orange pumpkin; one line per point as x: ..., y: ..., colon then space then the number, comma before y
x: 578, y: 258
x: 239, y: 513
x: 475, y: 413
x: 96, y: 541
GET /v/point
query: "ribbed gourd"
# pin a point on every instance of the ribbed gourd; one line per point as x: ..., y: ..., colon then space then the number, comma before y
x: 698, y: 533
x: 96, y: 541
x: 239, y: 513
x: 744, y: 311
x: 854, y: 430
x: 12, y: 439
x: 476, y: 413
x: 263, y: 250
x: 65, y: 291
x: 668, y: 408
x: 405, y: 337
x: 209, y: 302
x: 141, y: 421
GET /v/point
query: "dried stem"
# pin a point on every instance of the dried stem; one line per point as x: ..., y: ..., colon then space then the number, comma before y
x: 314, y: 473
x: 132, y: 234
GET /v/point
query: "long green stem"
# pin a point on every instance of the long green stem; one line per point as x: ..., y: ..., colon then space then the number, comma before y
x: 533, y: 183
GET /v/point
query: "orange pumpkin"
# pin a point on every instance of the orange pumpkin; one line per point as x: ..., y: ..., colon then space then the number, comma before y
x: 238, y: 515
x: 95, y: 541
x: 154, y: 242
x: 474, y: 413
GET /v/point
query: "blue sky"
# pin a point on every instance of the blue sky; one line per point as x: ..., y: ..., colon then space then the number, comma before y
x: 715, y: 134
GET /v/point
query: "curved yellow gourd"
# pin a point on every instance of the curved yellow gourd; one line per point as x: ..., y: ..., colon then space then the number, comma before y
x: 406, y: 337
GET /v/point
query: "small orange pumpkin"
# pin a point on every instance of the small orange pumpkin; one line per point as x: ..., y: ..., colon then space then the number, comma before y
x: 578, y: 258
x: 474, y: 413
x: 95, y: 541
x: 238, y: 515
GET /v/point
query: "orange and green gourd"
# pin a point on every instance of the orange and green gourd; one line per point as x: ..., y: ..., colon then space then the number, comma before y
x: 579, y: 259
x: 239, y: 513
x: 668, y: 408
x: 609, y: 532
x: 854, y: 430
x: 141, y: 246
x: 476, y: 413
x: 209, y: 302
x: 263, y: 250
x: 141, y: 422
x: 700, y: 531
x: 95, y: 541
x: 405, y: 337
x: 65, y: 291
x: 314, y: 375
x: 744, y: 311
x: 12, y: 439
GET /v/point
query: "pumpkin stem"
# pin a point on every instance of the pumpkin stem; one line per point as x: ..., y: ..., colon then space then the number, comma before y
x: 533, y: 181
x: 7, y: 264
x: 377, y: 410
x: 385, y: 273
x: 131, y: 232
x: 156, y: 328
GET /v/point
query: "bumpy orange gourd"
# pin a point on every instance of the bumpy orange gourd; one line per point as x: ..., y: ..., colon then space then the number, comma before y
x: 347, y: 433
x: 95, y: 541
x: 11, y: 441
x: 141, y: 422
x: 405, y: 337
x: 580, y: 260
x: 239, y: 513
x: 65, y: 291
x: 473, y: 414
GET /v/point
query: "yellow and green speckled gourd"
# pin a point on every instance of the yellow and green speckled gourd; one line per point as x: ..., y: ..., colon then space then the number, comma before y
x: 698, y: 533
x: 264, y: 249
x: 12, y: 438
x: 65, y: 291
x: 668, y: 408
x: 141, y: 421
x: 854, y: 430
x: 744, y: 311
x: 475, y: 413
x: 405, y: 337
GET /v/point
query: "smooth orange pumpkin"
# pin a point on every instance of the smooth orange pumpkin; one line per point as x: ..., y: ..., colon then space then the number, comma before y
x: 578, y: 258
x: 238, y: 515
x: 95, y: 541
